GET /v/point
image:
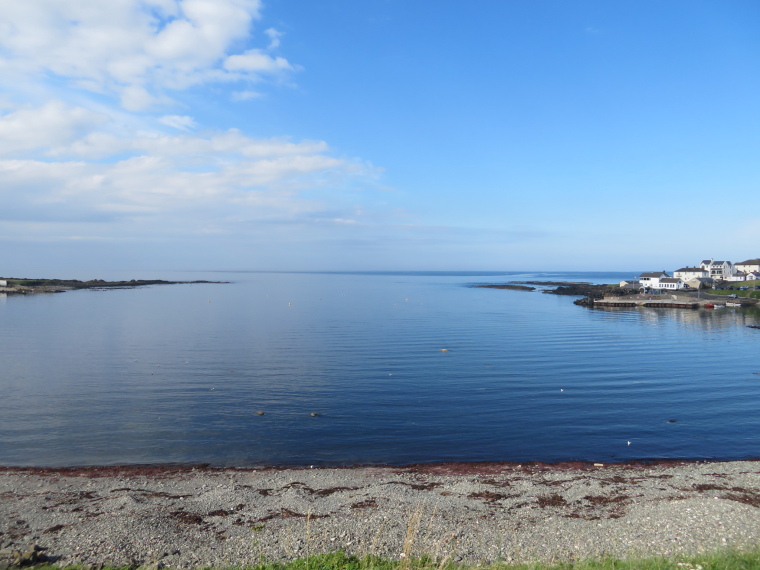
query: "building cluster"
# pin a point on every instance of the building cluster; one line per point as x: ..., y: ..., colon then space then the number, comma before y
x: 710, y: 273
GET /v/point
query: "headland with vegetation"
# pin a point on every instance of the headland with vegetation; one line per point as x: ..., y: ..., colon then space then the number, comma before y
x: 25, y: 286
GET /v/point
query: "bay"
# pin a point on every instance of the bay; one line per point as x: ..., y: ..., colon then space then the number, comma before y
x: 406, y: 367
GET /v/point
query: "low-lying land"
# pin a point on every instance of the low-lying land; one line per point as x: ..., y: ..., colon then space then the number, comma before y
x: 28, y: 286
x: 612, y: 294
x: 510, y: 286
x: 183, y: 517
x: 556, y: 287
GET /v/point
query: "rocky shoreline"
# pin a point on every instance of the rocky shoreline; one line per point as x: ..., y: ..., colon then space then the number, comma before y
x: 191, y: 517
x: 559, y: 288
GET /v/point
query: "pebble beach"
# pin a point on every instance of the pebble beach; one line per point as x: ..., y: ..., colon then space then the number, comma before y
x: 191, y: 517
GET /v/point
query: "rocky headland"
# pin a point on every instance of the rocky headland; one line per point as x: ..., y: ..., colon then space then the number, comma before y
x: 578, y: 289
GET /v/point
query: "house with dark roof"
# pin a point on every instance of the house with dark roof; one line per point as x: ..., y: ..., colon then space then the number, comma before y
x: 671, y: 283
x: 751, y: 265
x: 687, y: 273
x: 718, y: 270
x: 699, y: 283
x: 651, y: 279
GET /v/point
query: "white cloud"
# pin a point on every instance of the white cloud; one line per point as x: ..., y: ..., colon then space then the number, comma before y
x: 245, y: 95
x: 274, y: 38
x: 47, y: 127
x: 58, y: 130
x: 88, y: 170
x: 256, y: 61
x: 180, y: 122
x: 136, y: 50
x: 82, y: 158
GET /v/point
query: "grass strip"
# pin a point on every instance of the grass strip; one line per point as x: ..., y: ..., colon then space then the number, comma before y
x: 723, y: 560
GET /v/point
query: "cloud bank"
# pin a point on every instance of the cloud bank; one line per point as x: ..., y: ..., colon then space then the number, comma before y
x: 138, y: 50
x: 94, y: 144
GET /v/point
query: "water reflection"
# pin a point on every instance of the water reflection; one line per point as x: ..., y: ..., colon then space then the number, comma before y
x: 707, y: 319
x: 162, y: 374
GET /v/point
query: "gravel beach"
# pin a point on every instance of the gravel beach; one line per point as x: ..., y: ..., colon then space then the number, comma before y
x: 188, y: 517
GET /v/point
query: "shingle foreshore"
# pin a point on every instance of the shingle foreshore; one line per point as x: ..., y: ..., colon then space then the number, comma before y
x: 190, y: 517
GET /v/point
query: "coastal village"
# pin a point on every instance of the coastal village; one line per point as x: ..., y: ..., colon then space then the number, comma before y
x: 710, y: 273
x: 725, y: 284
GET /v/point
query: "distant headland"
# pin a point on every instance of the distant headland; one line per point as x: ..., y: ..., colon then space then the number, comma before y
x: 574, y: 288
x: 15, y: 286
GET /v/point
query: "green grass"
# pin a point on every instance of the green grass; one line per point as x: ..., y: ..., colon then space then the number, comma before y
x: 727, y: 560
x: 32, y: 282
x: 750, y: 294
x: 717, y: 561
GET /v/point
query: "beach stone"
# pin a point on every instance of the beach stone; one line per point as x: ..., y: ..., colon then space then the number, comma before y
x: 134, y: 516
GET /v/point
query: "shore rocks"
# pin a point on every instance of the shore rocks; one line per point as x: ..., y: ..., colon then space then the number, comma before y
x: 560, y: 288
x: 194, y: 517
x: 30, y: 556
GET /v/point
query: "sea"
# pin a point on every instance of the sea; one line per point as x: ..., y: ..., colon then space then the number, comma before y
x: 364, y: 368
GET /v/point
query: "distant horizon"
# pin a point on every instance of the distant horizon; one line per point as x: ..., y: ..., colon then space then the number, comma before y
x: 156, y: 273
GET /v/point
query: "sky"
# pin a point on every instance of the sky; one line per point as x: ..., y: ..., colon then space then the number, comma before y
x: 377, y: 135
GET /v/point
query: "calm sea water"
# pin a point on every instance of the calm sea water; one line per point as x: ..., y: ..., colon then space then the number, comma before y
x: 169, y: 374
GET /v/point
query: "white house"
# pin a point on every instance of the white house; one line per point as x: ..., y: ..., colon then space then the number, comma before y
x: 751, y: 265
x: 671, y: 283
x: 687, y: 273
x: 651, y: 279
x: 718, y: 270
x: 738, y: 276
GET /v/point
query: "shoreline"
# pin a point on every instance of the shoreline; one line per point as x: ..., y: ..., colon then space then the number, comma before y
x: 95, y: 470
x: 26, y: 286
x: 194, y: 516
x: 611, y: 296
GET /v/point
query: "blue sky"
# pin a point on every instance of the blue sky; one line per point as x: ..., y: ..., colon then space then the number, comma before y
x: 377, y: 134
